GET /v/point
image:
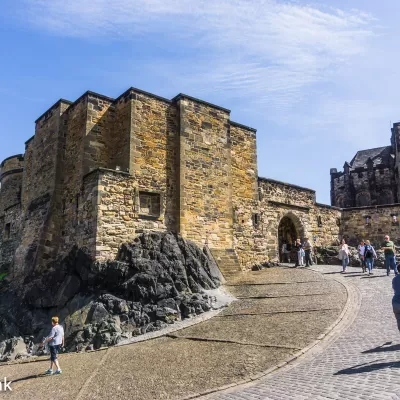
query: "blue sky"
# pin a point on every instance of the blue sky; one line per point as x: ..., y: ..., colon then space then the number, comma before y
x: 318, y: 80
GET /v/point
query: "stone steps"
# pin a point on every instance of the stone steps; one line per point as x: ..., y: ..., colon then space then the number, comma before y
x: 227, y: 261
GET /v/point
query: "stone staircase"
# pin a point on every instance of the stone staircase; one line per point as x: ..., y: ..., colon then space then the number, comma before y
x: 227, y: 261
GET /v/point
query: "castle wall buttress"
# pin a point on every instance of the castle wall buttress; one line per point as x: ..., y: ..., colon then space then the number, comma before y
x: 40, y: 187
x: 205, y: 174
x: 248, y: 240
x: 11, y: 171
x: 154, y: 153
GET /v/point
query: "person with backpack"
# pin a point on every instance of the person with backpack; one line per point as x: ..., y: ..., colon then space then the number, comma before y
x: 390, y: 257
x: 369, y: 255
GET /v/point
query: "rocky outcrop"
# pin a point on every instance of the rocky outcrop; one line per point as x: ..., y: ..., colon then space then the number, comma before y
x: 155, y: 280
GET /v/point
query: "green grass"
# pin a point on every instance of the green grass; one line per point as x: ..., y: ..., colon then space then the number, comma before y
x: 2, y: 275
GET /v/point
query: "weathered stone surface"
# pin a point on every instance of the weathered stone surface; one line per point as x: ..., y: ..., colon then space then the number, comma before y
x: 157, y: 279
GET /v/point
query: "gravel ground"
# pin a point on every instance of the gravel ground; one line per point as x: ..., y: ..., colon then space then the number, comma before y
x: 230, y: 347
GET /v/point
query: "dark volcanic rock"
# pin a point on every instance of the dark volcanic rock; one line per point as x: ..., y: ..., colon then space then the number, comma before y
x: 155, y: 280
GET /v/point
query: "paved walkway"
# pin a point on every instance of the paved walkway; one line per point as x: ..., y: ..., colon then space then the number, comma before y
x: 360, y: 359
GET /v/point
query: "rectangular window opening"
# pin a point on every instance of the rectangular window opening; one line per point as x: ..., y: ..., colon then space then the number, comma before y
x: 150, y: 204
x: 256, y: 220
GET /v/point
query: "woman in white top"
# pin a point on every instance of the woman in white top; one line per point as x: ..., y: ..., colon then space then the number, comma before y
x: 344, y: 255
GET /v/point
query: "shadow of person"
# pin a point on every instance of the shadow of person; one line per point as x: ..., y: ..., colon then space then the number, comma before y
x: 27, y: 378
x: 368, y: 367
x: 382, y: 348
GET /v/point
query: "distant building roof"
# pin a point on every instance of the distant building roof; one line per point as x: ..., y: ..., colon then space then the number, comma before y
x: 379, y: 155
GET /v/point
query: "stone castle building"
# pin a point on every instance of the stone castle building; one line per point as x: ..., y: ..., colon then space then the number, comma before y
x: 99, y: 171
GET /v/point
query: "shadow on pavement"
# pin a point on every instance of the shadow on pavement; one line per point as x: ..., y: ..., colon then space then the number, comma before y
x: 368, y: 367
x: 373, y: 276
x: 26, y: 378
x: 383, y: 347
x: 331, y: 273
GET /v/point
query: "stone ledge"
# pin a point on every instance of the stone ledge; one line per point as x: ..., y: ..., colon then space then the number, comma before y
x: 113, y: 171
x: 328, y: 206
x: 185, y: 96
x: 243, y: 126
x: 19, y: 156
x: 372, y: 207
x: 139, y: 91
x: 279, y: 204
x: 56, y: 104
x: 260, y: 178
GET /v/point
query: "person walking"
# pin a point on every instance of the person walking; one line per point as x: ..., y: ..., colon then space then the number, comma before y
x: 361, y: 250
x: 369, y: 255
x: 55, y: 340
x: 344, y: 255
x: 307, y: 252
x: 299, y: 249
x: 390, y: 255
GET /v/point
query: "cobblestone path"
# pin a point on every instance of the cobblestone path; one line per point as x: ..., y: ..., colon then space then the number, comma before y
x: 360, y: 359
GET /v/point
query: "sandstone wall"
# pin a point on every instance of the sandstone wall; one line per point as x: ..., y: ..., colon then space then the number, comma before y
x: 119, y: 217
x: 122, y: 141
x: 248, y: 239
x: 205, y: 174
x: 258, y: 234
x: 154, y: 152
x: 380, y: 223
x: 98, y: 136
x: 75, y: 132
x: 41, y: 187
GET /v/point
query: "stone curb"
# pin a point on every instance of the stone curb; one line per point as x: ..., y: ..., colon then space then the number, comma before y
x: 349, y: 309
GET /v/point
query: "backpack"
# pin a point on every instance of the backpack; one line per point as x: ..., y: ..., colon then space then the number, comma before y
x: 368, y: 252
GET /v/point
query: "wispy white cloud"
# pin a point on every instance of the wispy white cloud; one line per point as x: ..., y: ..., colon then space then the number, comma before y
x: 266, y: 50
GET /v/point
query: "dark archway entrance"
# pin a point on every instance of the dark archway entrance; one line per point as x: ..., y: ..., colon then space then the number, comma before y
x: 288, y: 231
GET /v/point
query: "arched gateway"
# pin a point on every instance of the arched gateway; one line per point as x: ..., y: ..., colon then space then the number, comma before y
x: 290, y: 228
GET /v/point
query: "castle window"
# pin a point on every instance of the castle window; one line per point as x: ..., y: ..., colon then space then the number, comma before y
x: 319, y: 221
x: 7, y: 231
x: 367, y: 220
x: 360, y: 175
x: 338, y: 221
x: 256, y: 220
x: 150, y: 204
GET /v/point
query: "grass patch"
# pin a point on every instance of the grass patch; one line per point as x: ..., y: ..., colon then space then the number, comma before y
x: 3, y: 275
